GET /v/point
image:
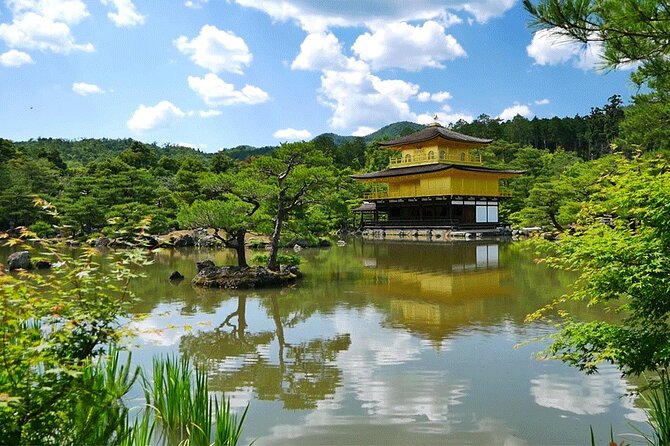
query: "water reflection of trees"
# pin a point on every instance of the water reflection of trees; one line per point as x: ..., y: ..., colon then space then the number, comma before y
x: 237, y: 357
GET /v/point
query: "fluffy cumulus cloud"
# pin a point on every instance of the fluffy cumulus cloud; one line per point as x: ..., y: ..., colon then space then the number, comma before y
x: 161, y: 115
x: 548, y: 47
x: 215, y: 91
x: 363, y: 131
x: 517, y: 109
x: 320, y: 51
x: 216, y: 50
x: 318, y: 16
x: 401, y: 45
x: 292, y: 134
x: 440, y: 96
x: 544, y: 101
x: 407, y: 35
x: 125, y: 13
x: 445, y: 116
x: 15, y: 58
x: 44, y: 25
x: 359, y: 98
x: 84, y: 89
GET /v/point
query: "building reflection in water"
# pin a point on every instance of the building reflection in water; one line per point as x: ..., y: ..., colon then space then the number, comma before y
x: 434, y: 291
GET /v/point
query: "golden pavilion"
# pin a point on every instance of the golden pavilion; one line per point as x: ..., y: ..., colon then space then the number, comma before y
x: 437, y: 181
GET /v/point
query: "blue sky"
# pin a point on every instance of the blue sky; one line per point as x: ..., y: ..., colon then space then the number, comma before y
x: 220, y: 73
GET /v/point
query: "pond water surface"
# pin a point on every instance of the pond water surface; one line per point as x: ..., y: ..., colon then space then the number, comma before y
x: 386, y: 343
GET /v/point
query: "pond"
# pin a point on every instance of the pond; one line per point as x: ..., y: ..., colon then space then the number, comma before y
x: 386, y: 343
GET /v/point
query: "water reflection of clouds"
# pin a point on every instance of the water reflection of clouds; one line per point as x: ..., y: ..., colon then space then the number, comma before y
x: 384, y: 392
x: 583, y: 394
x: 165, y: 326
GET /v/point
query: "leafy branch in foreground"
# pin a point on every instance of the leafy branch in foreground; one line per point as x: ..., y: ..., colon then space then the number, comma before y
x: 61, y: 378
x: 621, y: 249
x: 52, y: 325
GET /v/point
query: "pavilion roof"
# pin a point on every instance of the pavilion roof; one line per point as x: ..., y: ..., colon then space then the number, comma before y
x: 429, y: 168
x: 434, y: 131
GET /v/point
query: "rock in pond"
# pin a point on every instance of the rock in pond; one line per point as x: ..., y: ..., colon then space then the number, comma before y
x: 176, y: 275
x: 19, y: 260
x: 204, y: 264
x: 42, y: 264
x: 183, y: 241
x: 241, y: 277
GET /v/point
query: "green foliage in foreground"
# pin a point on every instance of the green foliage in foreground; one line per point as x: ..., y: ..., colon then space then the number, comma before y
x: 621, y: 247
x: 61, y: 383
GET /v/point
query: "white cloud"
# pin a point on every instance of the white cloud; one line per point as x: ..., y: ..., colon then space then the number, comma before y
x: 401, y: 45
x: 359, y: 98
x: 83, y: 89
x: 443, y: 117
x: 44, y: 25
x: 126, y: 14
x: 67, y: 11
x: 320, y: 51
x: 363, y: 131
x: 544, y: 101
x: 215, y: 91
x: 292, y: 134
x: 192, y: 146
x: 216, y: 50
x: 548, y: 47
x: 318, y: 16
x: 440, y: 96
x: 517, y: 109
x: 195, y: 4
x: 424, y: 96
x: 14, y: 58
x: 485, y: 10
x: 161, y: 115
x: 209, y: 113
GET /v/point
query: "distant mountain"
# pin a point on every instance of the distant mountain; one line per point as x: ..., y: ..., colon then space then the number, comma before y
x: 391, y: 131
x: 89, y: 149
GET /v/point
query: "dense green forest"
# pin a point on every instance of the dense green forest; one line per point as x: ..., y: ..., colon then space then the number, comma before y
x: 102, y: 186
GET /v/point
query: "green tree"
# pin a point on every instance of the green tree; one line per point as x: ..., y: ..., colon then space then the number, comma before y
x: 620, y: 247
x: 231, y: 216
x: 297, y: 174
x: 140, y: 156
x: 222, y: 162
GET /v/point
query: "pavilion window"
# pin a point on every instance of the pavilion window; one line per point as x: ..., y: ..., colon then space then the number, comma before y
x: 408, y: 158
x: 462, y: 156
x: 431, y: 155
x: 443, y: 154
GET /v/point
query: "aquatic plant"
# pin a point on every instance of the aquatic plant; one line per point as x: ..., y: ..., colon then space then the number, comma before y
x: 184, y: 409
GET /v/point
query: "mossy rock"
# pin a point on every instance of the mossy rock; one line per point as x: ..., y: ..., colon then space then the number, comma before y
x: 244, y: 277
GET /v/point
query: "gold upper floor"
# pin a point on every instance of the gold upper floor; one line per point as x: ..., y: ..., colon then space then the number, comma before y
x: 434, y: 154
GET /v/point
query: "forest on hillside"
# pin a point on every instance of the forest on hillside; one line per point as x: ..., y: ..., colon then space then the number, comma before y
x: 102, y: 186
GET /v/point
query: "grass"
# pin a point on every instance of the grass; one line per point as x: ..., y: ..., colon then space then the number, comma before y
x: 184, y: 409
x: 657, y: 400
x: 179, y: 409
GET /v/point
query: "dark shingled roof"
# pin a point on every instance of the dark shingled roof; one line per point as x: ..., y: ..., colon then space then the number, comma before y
x: 428, y: 168
x: 434, y: 131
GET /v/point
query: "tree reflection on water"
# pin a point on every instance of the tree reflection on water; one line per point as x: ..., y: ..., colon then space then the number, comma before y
x: 303, y: 374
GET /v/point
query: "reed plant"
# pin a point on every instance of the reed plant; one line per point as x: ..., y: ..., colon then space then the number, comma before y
x: 657, y: 400
x: 184, y: 409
